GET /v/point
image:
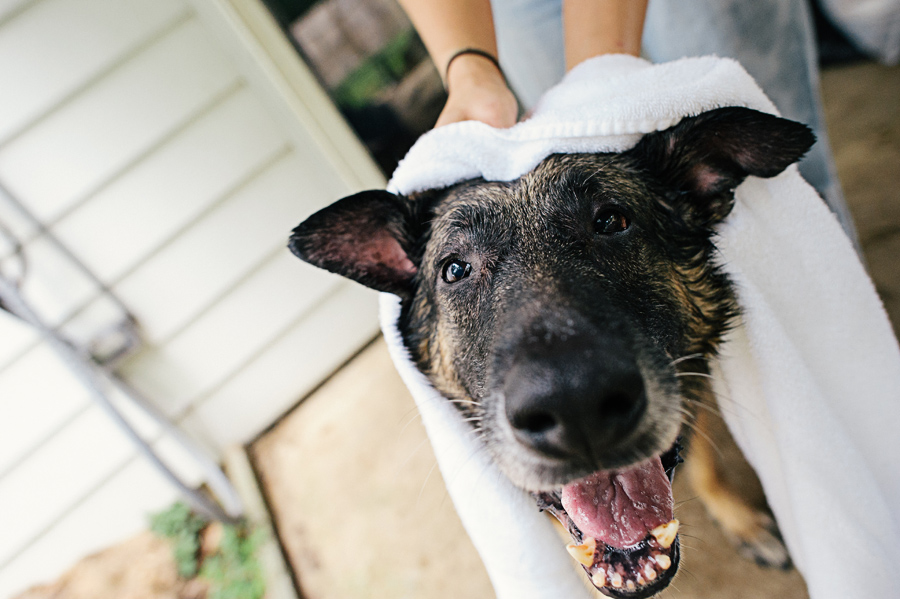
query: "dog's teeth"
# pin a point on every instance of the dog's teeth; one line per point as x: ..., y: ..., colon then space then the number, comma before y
x: 599, y: 579
x: 629, y: 584
x: 663, y: 561
x: 616, y: 580
x: 584, y: 553
x: 665, y: 533
x: 650, y: 572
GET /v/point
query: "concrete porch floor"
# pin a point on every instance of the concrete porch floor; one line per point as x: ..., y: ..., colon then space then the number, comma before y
x: 361, y: 509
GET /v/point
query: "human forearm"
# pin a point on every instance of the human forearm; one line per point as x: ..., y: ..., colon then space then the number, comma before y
x: 594, y: 27
x: 449, y: 26
x: 476, y: 87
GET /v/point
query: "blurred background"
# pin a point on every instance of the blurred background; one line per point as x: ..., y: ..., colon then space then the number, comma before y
x: 154, y: 156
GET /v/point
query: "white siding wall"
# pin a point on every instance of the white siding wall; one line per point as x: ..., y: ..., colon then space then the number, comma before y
x: 127, y: 127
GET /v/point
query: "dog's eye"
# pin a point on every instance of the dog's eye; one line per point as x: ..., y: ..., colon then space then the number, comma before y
x: 456, y: 270
x: 609, y: 222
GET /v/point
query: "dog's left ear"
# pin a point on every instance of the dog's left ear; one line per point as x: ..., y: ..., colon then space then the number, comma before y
x: 704, y: 158
x: 365, y: 237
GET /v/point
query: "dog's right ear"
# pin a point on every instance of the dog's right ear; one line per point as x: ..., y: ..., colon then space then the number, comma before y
x: 365, y: 237
x: 705, y: 157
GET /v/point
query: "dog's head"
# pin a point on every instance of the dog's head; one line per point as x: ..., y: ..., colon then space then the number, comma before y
x: 559, y: 310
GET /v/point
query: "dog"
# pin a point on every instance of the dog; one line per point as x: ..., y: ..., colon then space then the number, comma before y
x: 571, y: 315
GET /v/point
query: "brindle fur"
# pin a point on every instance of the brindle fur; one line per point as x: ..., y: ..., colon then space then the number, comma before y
x: 541, y: 274
x: 679, y: 273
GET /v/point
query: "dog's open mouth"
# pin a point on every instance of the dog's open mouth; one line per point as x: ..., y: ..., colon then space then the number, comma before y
x: 625, y: 536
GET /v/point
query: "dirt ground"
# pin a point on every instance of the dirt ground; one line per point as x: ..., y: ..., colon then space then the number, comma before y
x: 360, y: 507
x: 862, y: 108
x: 140, y: 568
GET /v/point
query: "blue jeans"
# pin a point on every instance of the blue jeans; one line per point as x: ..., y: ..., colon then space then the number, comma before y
x: 773, y: 39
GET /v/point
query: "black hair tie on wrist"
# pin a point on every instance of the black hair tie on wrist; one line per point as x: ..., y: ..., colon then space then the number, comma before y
x: 476, y: 52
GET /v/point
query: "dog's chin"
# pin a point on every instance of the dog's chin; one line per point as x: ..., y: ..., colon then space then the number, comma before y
x: 628, y: 548
x: 622, y: 525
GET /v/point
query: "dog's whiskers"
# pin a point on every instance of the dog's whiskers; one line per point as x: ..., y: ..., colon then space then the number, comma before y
x: 684, y: 358
x: 715, y: 410
x: 723, y: 398
x: 464, y: 401
x: 425, y: 482
x: 410, y: 418
x: 685, y: 570
x: 685, y: 501
x: 700, y: 374
x: 599, y: 170
x: 698, y: 431
x: 412, y: 453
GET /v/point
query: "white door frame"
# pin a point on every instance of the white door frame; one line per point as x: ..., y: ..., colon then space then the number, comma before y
x: 271, y: 63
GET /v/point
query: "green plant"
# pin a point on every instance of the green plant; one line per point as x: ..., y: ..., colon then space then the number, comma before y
x: 182, y: 527
x: 228, y: 562
x: 387, y: 66
x: 233, y: 571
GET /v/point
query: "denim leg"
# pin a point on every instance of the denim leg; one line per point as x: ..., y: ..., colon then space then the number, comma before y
x: 530, y: 44
x: 775, y: 41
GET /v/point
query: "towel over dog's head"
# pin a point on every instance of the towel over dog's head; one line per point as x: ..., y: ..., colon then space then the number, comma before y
x: 559, y: 311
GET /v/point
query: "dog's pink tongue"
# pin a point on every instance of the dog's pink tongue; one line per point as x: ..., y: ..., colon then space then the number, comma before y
x: 620, y: 507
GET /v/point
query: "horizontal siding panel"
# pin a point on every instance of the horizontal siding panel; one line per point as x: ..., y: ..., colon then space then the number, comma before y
x: 115, y: 512
x: 8, y: 7
x: 230, y: 334
x: 78, y: 148
x: 201, y: 265
x: 145, y: 426
x: 101, y: 322
x: 15, y: 338
x: 15, y: 224
x: 38, y: 395
x: 67, y: 42
x: 54, y: 286
x: 58, y: 475
x: 289, y: 369
x: 172, y: 187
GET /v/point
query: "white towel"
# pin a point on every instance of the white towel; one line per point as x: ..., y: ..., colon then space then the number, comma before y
x: 815, y: 367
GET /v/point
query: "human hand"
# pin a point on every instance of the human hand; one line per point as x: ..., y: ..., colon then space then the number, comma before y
x: 477, y: 91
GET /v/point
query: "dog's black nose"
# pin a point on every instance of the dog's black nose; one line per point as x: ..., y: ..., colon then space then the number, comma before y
x: 565, y: 407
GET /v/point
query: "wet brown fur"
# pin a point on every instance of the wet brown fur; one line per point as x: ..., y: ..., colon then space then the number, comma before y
x: 531, y: 238
x: 701, y: 291
x: 703, y: 296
